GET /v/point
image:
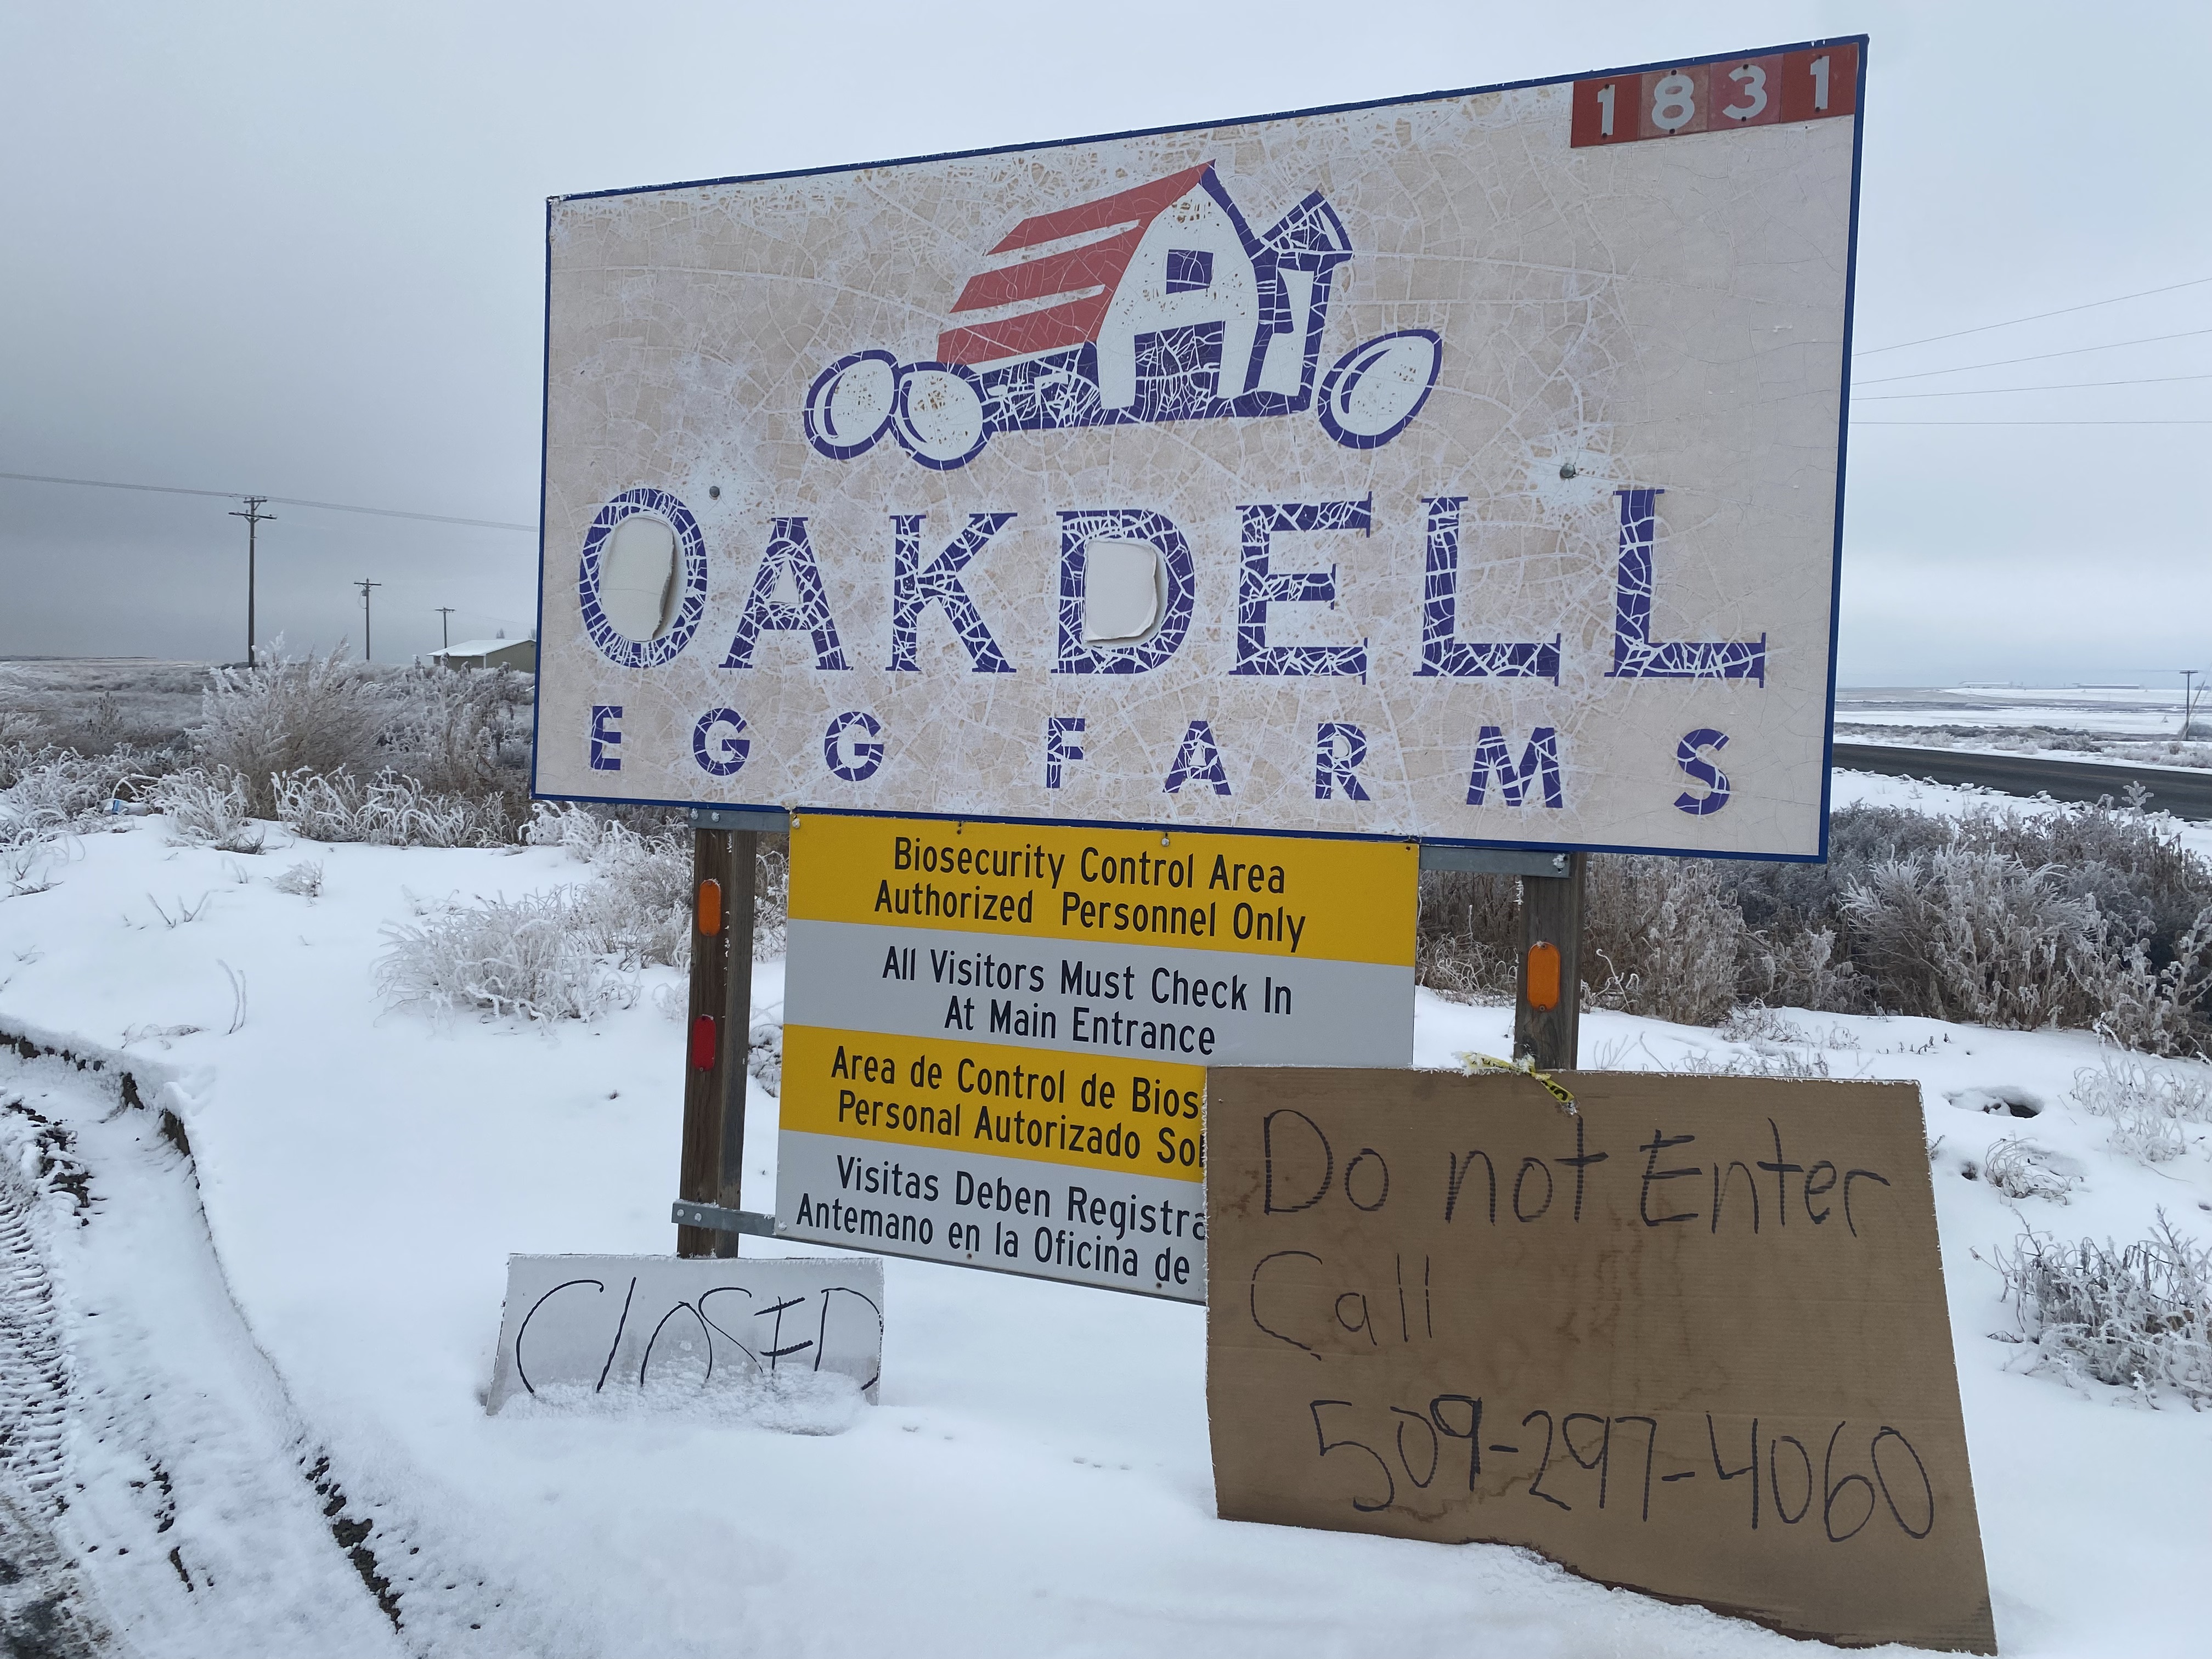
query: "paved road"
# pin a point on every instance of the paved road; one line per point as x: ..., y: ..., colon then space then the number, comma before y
x: 2186, y: 794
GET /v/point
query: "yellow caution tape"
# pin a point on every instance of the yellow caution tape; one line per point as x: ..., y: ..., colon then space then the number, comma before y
x: 1474, y: 1062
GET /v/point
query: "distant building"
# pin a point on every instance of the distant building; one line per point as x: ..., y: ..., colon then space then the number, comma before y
x: 490, y: 654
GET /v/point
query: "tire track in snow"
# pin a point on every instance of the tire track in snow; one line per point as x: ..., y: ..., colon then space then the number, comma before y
x: 45, y: 1608
x: 155, y: 1462
x: 193, y: 1481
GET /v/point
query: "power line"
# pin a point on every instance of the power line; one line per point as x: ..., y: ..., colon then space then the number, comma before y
x: 2041, y: 356
x: 280, y: 501
x: 395, y: 513
x: 2063, y: 386
x: 2194, y: 281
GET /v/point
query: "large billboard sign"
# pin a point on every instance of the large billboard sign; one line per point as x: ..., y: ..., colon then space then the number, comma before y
x: 996, y: 1036
x: 1466, y: 468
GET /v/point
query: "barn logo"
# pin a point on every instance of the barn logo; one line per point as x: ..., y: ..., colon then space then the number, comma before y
x: 1157, y: 303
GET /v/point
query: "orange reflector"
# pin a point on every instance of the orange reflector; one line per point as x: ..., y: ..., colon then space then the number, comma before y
x: 710, y: 907
x: 703, y: 1042
x: 1543, y: 976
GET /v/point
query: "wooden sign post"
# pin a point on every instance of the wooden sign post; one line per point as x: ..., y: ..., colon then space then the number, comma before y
x: 718, y: 1031
x: 1547, y: 1005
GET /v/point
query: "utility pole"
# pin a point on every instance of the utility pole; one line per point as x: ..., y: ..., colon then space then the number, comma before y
x: 2188, y: 698
x: 254, y: 518
x: 365, y: 587
x: 445, y: 637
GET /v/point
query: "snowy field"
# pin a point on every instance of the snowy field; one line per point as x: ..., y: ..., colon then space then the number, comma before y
x: 268, y: 1423
x: 2126, y: 723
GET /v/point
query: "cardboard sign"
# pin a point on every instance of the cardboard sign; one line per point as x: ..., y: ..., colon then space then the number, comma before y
x: 995, y: 1035
x: 637, y: 1324
x: 1431, y: 468
x: 1691, y: 1340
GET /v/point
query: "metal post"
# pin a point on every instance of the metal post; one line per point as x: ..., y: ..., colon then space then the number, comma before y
x: 1547, y: 1008
x: 718, y: 1031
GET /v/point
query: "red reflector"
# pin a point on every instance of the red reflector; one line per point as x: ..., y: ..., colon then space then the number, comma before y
x: 703, y: 1042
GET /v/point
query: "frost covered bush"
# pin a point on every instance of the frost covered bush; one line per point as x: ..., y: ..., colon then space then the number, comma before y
x: 530, y: 957
x: 301, y: 880
x: 2092, y: 916
x: 206, y: 808
x: 640, y: 900
x: 1661, y: 938
x: 1971, y: 935
x: 29, y: 846
x: 1802, y: 968
x: 289, y: 716
x: 2138, y: 1318
x: 574, y: 952
x: 50, y: 795
x: 2021, y: 1169
x: 638, y: 904
x: 2148, y: 1106
x: 771, y: 897
x: 402, y: 757
x: 1466, y: 938
x: 388, y: 810
x: 2160, y: 1010
x: 67, y: 787
x: 463, y: 732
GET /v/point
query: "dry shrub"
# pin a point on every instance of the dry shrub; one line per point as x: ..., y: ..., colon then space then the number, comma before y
x: 1975, y: 936
x: 70, y: 787
x: 642, y: 893
x: 2138, y: 1318
x: 302, y: 880
x: 2091, y: 916
x: 2020, y: 1168
x: 207, y: 809
x: 289, y: 716
x: 1467, y: 935
x: 372, y: 754
x: 389, y: 810
x: 530, y: 957
x: 1661, y: 938
x: 2149, y: 1107
x: 463, y: 731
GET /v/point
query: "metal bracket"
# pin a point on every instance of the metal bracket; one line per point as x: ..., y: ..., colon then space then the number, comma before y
x: 715, y: 1218
x: 773, y: 819
x: 1494, y: 861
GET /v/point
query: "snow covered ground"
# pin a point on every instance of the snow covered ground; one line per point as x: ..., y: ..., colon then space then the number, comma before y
x: 278, y: 1412
x: 2132, y: 723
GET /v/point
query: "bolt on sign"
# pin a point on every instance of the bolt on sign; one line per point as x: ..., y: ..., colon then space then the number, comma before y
x: 996, y: 1036
x: 1466, y: 468
x: 1690, y: 1338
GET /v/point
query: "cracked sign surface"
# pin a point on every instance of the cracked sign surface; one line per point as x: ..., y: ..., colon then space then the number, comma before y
x: 1464, y: 468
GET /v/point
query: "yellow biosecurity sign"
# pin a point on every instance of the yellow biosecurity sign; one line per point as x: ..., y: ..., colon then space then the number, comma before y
x: 996, y: 1035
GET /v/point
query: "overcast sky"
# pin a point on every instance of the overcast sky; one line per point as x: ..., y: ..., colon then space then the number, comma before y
x: 299, y: 249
